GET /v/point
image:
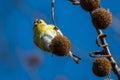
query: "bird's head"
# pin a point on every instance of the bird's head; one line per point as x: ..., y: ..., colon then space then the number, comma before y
x: 39, y: 24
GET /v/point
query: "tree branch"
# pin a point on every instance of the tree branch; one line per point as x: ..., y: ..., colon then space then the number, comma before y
x: 115, y: 67
x: 105, y: 47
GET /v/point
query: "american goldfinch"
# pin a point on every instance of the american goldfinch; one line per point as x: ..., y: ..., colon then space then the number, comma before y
x: 44, y: 34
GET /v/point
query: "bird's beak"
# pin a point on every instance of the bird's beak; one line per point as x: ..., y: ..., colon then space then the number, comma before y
x: 35, y: 24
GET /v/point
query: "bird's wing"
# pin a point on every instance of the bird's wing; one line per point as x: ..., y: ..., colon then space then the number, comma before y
x: 56, y: 29
x: 38, y: 43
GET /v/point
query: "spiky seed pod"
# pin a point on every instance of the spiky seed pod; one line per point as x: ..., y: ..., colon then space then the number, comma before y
x: 90, y: 5
x: 60, y: 45
x: 101, y: 67
x: 101, y: 18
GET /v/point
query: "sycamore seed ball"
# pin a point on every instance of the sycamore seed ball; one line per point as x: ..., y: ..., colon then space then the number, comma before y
x: 90, y: 5
x: 101, y: 18
x: 101, y: 67
x: 60, y: 45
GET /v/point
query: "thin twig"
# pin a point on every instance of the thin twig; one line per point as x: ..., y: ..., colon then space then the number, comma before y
x: 98, y: 54
x: 53, y: 17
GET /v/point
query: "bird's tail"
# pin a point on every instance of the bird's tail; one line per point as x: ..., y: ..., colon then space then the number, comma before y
x: 75, y: 58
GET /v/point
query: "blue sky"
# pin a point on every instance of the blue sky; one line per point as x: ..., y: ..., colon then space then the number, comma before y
x: 16, y: 39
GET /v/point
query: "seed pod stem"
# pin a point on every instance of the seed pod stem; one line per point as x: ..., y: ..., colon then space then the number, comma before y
x: 74, y: 2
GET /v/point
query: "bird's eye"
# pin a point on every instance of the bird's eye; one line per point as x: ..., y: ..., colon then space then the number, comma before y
x: 36, y: 21
x: 39, y: 21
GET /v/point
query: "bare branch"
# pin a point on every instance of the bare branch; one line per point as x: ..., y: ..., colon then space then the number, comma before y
x: 53, y: 17
x: 105, y: 47
x: 98, y: 54
x: 115, y: 67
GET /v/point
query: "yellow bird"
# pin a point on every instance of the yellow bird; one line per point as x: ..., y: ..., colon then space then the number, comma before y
x: 44, y: 34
